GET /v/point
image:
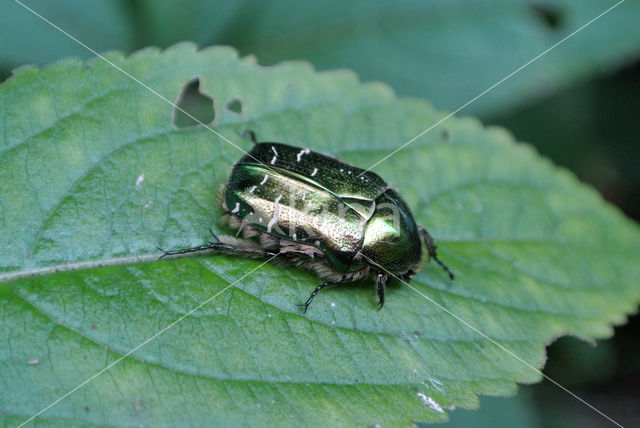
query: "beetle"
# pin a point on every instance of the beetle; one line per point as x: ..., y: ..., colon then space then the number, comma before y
x: 342, y: 222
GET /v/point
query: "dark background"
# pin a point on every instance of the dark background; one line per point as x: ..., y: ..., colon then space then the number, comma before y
x: 578, y: 105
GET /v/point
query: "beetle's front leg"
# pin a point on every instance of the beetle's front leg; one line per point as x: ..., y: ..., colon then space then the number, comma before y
x: 431, y: 249
x: 381, y: 288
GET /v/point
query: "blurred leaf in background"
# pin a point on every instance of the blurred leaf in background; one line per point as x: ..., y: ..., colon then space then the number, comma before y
x: 26, y: 39
x: 445, y: 51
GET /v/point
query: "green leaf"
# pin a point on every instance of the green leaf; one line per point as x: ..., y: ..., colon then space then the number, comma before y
x: 94, y: 176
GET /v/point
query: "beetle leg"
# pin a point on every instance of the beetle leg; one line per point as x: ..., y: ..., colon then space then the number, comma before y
x: 431, y: 249
x: 408, y: 275
x: 217, y: 245
x: 381, y: 288
x: 318, y: 288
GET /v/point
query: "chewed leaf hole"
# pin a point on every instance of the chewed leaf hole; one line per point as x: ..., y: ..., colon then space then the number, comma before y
x: 194, y: 107
x: 234, y: 105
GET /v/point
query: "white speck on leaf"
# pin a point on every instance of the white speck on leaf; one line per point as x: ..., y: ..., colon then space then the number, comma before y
x: 430, y: 402
x: 33, y: 362
x: 139, y: 180
x: 333, y: 305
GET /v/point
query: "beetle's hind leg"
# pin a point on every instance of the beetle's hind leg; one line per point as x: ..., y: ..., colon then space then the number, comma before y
x: 431, y: 248
x: 217, y: 245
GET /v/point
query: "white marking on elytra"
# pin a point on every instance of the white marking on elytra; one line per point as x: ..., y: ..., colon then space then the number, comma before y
x: 273, y: 160
x: 252, y: 189
x: 276, y: 213
x: 302, y: 152
x: 236, y: 209
x: 264, y: 180
x: 341, y: 169
x: 315, y: 171
x: 139, y: 180
x: 274, y: 150
x: 430, y: 402
x: 304, y: 194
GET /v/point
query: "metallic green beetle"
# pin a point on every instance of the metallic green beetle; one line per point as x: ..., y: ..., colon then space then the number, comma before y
x: 341, y: 221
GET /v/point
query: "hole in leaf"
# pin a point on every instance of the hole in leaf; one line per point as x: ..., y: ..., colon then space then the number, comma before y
x: 234, y: 105
x: 199, y: 106
x: 551, y: 16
